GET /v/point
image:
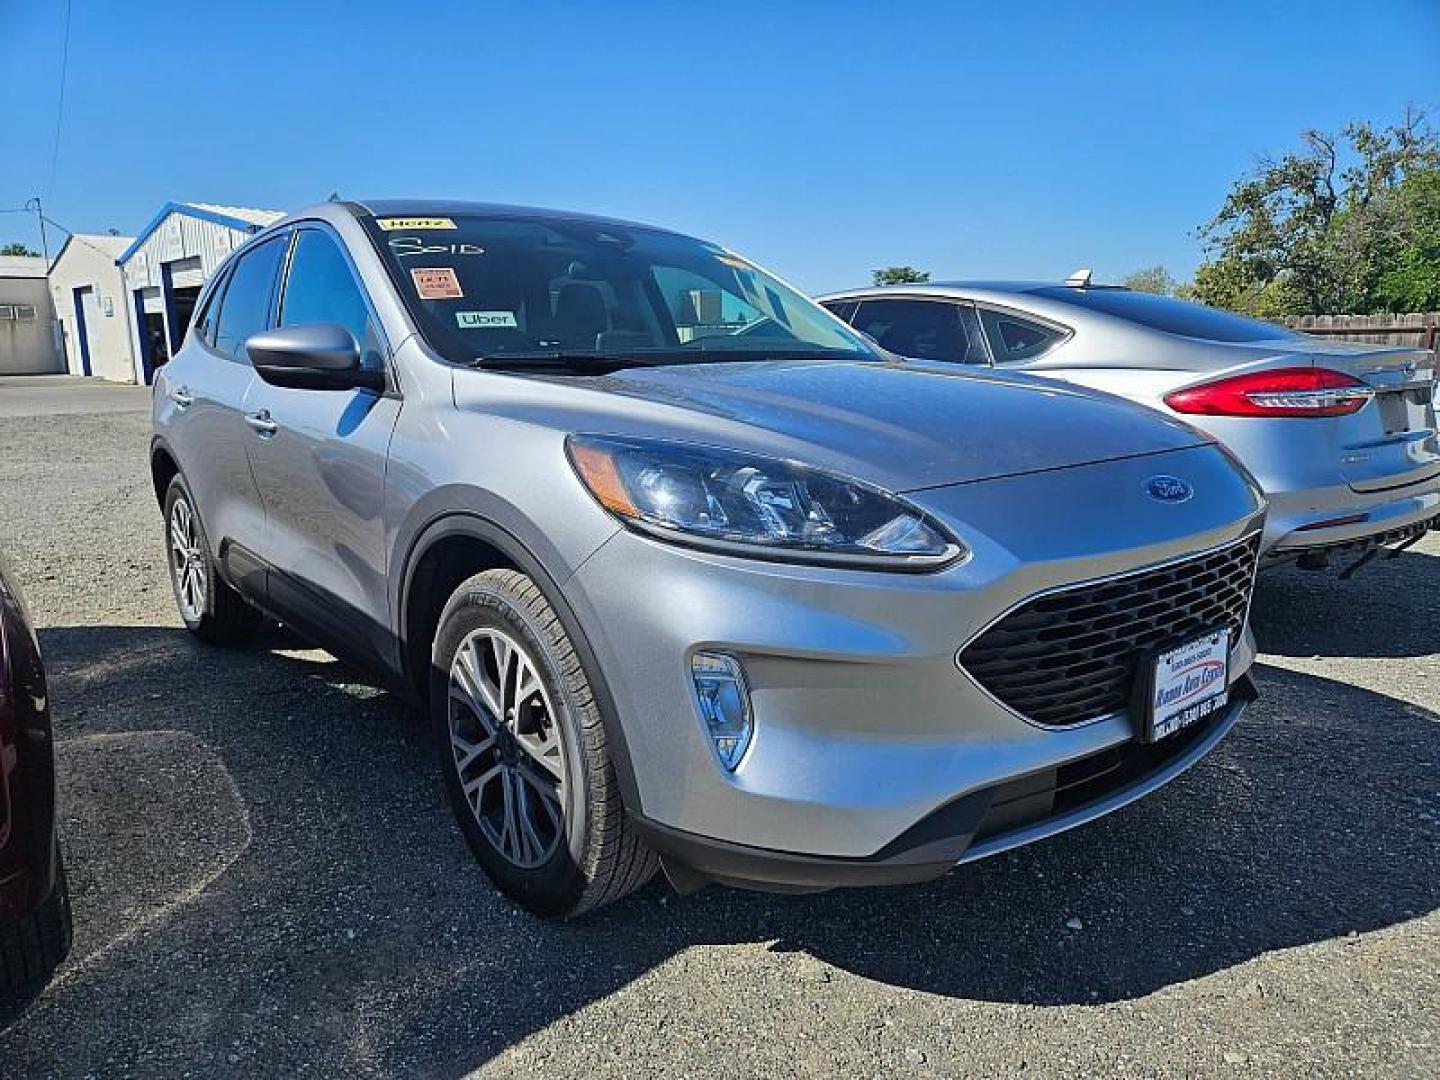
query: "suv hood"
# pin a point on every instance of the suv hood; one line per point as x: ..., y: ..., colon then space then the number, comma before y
x: 905, y: 425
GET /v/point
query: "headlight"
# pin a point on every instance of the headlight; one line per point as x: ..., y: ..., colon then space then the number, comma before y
x: 746, y: 504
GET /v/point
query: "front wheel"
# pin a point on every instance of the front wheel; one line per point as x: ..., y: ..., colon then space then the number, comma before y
x: 210, y: 608
x: 523, y: 752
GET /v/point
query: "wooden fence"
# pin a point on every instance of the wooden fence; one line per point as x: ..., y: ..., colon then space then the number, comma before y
x: 1417, y: 329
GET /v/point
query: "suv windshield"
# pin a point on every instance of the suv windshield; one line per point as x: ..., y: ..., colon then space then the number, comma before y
x: 1169, y: 316
x: 491, y: 285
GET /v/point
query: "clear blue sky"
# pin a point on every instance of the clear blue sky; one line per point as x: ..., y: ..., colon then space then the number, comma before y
x: 996, y: 139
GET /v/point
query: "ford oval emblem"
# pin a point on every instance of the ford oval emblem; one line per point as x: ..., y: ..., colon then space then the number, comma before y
x: 1170, y: 489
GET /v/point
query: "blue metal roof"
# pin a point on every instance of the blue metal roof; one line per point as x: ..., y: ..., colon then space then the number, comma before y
x: 195, y: 210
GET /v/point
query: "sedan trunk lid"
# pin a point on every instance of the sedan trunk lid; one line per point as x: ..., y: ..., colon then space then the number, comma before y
x: 1392, y: 441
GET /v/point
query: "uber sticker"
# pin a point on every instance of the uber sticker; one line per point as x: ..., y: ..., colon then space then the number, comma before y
x: 479, y: 320
x: 391, y: 224
x: 436, y: 283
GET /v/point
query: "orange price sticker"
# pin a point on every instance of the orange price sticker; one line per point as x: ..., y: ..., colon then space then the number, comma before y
x: 436, y: 283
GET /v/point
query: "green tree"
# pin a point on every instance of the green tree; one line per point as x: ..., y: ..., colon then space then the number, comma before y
x: 16, y: 249
x: 1410, y: 280
x: 1151, y: 279
x: 1229, y: 284
x: 900, y: 275
x: 1321, y: 229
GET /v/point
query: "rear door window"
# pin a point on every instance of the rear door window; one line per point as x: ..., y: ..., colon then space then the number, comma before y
x: 245, y: 307
x: 1013, y: 339
x: 924, y: 329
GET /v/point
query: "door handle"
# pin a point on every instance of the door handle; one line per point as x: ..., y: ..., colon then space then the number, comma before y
x: 181, y: 397
x: 261, y: 422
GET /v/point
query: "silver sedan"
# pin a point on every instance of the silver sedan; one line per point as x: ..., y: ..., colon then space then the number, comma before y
x: 1341, y: 437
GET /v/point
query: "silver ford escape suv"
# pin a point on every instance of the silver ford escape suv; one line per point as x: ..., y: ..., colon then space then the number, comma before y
x: 688, y: 573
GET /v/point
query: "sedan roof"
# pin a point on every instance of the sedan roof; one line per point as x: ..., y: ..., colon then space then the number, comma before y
x: 1122, y: 309
x: 941, y: 288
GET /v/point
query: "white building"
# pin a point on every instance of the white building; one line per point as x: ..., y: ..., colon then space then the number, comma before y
x: 90, y: 302
x: 27, y: 318
x: 165, y: 266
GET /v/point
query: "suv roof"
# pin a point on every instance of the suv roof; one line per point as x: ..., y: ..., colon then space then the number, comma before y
x: 456, y: 207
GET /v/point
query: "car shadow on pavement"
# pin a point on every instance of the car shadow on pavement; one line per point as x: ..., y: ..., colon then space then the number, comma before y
x: 1308, y: 613
x: 353, y: 928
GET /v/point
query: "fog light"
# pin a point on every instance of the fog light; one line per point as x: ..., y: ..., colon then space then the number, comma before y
x: 724, y: 704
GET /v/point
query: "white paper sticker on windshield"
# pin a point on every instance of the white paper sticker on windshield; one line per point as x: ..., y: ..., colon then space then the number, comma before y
x: 482, y: 320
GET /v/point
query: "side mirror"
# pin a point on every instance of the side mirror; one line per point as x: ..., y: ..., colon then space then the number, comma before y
x: 322, y: 356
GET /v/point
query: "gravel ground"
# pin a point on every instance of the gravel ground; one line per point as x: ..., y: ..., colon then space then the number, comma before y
x: 267, y: 882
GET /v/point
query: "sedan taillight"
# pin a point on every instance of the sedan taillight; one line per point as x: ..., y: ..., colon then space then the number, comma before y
x: 1282, y: 392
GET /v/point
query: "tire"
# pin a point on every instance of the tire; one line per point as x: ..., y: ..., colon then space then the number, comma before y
x: 32, y: 948
x: 210, y: 608
x: 574, y: 851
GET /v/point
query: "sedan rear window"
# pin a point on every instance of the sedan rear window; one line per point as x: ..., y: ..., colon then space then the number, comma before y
x: 1168, y: 315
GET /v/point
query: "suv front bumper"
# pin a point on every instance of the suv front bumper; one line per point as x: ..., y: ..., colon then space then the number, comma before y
x: 866, y: 726
x: 972, y: 827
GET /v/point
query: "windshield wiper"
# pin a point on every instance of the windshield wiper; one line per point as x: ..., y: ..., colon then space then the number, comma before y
x: 722, y: 353
x: 603, y: 363
x: 557, y: 360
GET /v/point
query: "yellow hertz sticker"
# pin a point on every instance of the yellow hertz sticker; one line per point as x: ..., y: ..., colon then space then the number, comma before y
x: 735, y: 261
x: 391, y: 224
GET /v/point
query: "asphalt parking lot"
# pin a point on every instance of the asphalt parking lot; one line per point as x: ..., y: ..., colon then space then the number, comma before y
x: 266, y: 879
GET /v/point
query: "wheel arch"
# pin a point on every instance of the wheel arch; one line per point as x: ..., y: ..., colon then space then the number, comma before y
x: 163, y: 468
x: 457, y: 545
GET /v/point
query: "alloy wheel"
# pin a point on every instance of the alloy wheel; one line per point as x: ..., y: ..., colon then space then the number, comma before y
x: 187, y: 561
x: 507, y: 749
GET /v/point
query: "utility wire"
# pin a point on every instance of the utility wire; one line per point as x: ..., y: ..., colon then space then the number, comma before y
x: 77, y: 237
x: 60, y: 106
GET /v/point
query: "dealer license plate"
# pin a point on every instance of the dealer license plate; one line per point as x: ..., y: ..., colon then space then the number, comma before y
x: 1190, y: 682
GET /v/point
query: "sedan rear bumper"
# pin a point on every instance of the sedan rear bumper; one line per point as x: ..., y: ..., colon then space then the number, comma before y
x: 1293, y: 529
x: 977, y: 825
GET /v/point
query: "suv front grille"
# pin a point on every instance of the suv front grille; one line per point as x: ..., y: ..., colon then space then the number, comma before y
x: 1072, y: 655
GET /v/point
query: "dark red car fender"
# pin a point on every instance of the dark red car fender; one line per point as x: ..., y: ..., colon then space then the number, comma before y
x: 27, y: 764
